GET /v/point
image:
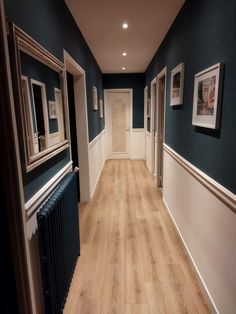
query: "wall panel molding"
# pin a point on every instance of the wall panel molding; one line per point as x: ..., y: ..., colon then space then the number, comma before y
x: 223, y: 194
x: 33, y: 204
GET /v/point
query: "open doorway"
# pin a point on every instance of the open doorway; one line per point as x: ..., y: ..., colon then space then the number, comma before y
x: 78, y: 129
x: 161, y: 105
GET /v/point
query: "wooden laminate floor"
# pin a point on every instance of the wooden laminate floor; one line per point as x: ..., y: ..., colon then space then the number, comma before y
x: 132, y: 261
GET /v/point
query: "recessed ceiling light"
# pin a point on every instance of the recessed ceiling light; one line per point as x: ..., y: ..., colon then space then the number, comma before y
x: 123, y: 68
x: 125, y: 25
x: 124, y: 54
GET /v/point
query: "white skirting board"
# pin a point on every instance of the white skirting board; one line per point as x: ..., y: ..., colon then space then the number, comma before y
x: 207, y: 227
x: 96, y: 160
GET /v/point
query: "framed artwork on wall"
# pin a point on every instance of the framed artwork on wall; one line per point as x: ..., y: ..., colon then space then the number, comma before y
x: 52, y: 110
x: 207, y: 97
x: 177, y: 85
x: 100, y: 108
x: 95, y: 98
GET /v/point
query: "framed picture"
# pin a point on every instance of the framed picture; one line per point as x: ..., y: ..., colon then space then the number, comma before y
x: 95, y: 98
x: 52, y: 110
x: 207, y: 97
x: 177, y: 85
x: 101, y: 108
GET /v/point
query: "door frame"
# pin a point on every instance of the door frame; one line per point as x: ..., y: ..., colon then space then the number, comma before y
x: 81, y: 122
x: 161, y: 74
x: 153, y: 112
x: 145, y: 117
x: 107, y: 128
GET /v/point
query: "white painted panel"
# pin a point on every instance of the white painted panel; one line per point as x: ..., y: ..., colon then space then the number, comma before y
x: 208, y: 228
x: 148, y: 151
x: 96, y: 160
x: 137, y: 149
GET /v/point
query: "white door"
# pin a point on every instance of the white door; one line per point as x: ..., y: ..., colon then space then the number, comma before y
x: 118, y: 124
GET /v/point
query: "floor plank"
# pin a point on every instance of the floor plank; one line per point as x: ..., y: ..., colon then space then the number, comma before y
x: 132, y: 260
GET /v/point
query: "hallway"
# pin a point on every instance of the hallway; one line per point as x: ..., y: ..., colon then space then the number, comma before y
x: 132, y: 260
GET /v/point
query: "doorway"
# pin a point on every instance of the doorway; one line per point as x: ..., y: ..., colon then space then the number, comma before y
x: 161, y: 105
x: 78, y: 129
x: 118, y: 104
x: 154, y: 126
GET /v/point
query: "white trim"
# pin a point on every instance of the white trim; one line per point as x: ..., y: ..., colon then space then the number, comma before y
x: 223, y: 194
x: 159, y: 76
x: 96, y: 139
x: 118, y: 90
x: 56, y: 149
x: 32, y: 205
x: 159, y: 179
x: 201, y: 281
x: 138, y: 130
x: 81, y: 122
x: 145, y: 118
x: 153, y: 113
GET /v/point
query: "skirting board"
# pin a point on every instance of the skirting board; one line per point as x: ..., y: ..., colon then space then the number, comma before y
x: 201, y: 282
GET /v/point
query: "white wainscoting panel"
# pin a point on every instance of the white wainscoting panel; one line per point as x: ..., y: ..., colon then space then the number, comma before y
x: 148, y: 150
x: 208, y: 229
x: 137, y: 144
x: 97, y: 157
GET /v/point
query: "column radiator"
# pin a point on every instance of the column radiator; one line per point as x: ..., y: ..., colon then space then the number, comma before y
x: 59, y: 243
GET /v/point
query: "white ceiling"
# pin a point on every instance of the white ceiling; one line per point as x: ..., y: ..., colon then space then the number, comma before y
x: 100, y: 22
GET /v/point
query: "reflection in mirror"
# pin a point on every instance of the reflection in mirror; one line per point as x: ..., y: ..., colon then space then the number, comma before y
x: 41, y: 100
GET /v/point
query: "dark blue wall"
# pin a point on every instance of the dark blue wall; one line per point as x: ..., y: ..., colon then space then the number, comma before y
x: 134, y: 81
x: 202, y: 35
x: 50, y: 23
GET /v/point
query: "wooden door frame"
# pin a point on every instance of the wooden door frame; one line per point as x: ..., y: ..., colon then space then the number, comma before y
x: 152, y: 119
x: 145, y: 117
x: 11, y: 171
x: 160, y: 75
x: 81, y: 122
x: 117, y: 90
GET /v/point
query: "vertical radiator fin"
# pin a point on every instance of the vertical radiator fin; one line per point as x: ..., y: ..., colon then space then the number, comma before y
x: 59, y: 243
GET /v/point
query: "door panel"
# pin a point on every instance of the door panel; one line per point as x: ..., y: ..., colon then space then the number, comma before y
x: 118, y: 124
x: 118, y: 112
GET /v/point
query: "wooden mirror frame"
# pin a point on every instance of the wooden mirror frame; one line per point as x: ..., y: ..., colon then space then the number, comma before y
x: 20, y: 41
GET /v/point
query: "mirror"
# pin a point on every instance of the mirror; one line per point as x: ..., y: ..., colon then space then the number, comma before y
x: 39, y: 100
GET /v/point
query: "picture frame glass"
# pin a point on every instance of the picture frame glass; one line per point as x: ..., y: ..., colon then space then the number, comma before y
x: 207, y: 96
x: 52, y: 110
x: 95, y: 98
x: 177, y: 84
x: 101, y: 108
